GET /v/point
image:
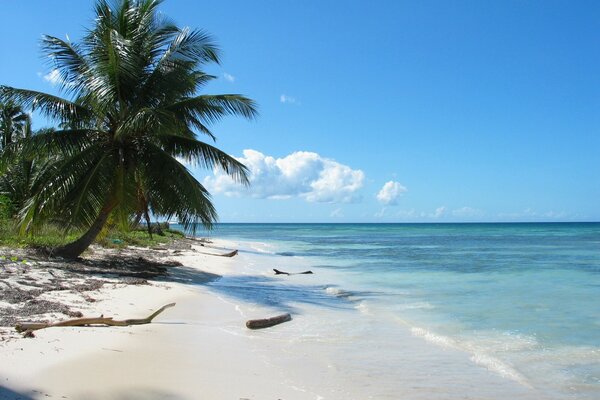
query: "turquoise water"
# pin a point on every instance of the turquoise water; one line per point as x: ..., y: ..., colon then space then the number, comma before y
x: 522, y: 299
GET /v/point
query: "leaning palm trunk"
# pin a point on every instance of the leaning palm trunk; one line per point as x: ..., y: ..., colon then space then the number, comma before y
x: 133, y: 115
x: 74, y: 249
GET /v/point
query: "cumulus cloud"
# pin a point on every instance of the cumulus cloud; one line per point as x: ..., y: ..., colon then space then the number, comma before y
x: 288, y: 99
x: 390, y: 192
x: 229, y: 77
x: 301, y: 174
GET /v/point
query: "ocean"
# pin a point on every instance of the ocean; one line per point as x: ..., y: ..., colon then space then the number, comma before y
x: 391, y: 306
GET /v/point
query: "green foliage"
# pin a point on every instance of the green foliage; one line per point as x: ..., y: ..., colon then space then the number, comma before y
x: 118, y: 238
x: 47, y: 236
x: 22, y: 173
x: 132, y: 112
x: 15, y: 175
x: 15, y: 123
x: 52, y: 236
x: 6, y: 208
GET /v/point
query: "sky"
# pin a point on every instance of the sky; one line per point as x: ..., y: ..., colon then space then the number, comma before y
x: 383, y: 111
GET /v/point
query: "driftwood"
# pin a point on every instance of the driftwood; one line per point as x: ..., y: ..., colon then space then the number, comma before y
x: 278, y: 272
x: 267, y: 322
x: 27, y: 328
x: 230, y: 254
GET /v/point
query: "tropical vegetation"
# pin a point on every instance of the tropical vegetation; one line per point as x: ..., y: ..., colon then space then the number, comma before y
x: 126, y: 127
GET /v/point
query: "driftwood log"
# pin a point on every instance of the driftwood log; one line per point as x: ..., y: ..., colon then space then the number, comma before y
x: 267, y: 322
x: 230, y: 254
x: 27, y: 328
x: 278, y: 272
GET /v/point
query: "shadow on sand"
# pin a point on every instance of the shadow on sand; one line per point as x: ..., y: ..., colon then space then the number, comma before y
x: 275, y: 293
x: 134, y: 394
x: 9, y: 394
x: 267, y: 291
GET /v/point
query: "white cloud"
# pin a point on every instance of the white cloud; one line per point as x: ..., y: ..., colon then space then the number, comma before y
x: 530, y: 214
x: 555, y: 214
x: 229, y: 77
x: 390, y: 192
x: 53, y: 77
x: 439, y: 212
x: 467, y: 212
x: 409, y: 214
x: 288, y: 99
x: 301, y: 174
x: 423, y: 215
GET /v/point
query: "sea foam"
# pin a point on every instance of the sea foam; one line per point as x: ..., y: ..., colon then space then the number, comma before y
x: 478, y: 355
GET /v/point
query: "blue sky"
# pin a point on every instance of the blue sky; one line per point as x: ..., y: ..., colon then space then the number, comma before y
x: 386, y: 111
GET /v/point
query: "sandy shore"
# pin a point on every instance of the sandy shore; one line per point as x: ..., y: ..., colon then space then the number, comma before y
x: 201, y: 349
x: 198, y: 349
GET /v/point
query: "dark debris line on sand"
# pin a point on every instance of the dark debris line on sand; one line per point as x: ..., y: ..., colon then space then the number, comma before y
x: 26, y: 276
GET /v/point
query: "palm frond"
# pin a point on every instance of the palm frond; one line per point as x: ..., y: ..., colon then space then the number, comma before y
x: 205, y: 155
x: 212, y: 108
x: 52, y: 106
x: 173, y: 191
x: 50, y: 142
x: 66, y: 58
x: 193, y: 45
x: 72, y: 190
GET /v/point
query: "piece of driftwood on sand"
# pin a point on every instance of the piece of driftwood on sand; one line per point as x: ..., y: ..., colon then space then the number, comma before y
x: 27, y: 328
x: 229, y: 254
x: 278, y: 272
x: 267, y: 322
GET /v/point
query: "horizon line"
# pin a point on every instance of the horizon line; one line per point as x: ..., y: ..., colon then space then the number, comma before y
x: 406, y: 223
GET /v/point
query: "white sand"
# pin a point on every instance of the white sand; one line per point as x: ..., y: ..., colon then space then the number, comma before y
x: 201, y: 349
x: 198, y: 349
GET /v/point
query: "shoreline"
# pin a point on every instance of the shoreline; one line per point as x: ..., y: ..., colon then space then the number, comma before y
x: 144, y: 361
x: 124, y: 283
x: 201, y: 346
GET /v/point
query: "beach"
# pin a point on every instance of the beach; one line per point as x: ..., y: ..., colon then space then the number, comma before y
x: 207, y: 200
x: 337, y: 346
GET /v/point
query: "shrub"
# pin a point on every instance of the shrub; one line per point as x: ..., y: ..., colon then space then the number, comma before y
x: 6, y: 208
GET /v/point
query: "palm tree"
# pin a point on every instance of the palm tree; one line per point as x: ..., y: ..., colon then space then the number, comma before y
x: 133, y: 113
x: 23, y: 170
x: 14, y: 124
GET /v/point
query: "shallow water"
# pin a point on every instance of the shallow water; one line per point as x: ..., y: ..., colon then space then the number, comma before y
x: 518, y: 302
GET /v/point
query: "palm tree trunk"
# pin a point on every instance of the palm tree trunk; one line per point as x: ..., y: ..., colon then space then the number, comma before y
x: 74, y: 249
x: 148, y: 222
